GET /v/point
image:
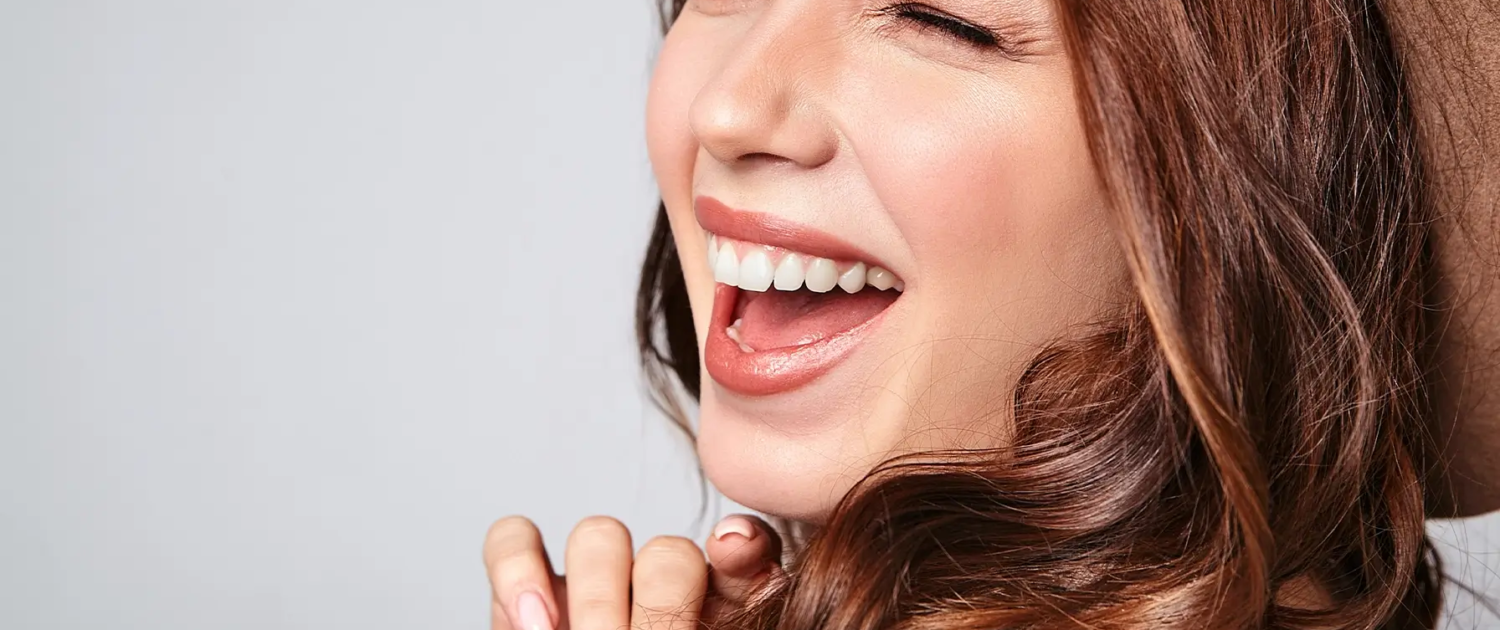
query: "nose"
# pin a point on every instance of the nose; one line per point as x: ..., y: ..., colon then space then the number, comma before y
x: 767, y: 101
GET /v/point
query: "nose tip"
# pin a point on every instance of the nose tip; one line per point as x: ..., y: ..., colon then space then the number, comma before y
x: 728, y: 130
x: 762, y: 107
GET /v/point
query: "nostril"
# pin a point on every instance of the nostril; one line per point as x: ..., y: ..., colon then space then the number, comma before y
x: 762, y: 158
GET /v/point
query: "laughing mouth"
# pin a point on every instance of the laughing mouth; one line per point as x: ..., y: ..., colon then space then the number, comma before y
x: 794, y: 299
x: 791, y: 302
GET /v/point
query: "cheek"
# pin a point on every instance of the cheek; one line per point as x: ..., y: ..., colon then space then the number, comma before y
x: 1010, y: 167
x: 669, y: 139
x: 996, y: 195
x: 682, y: 70
x: 995, y: 192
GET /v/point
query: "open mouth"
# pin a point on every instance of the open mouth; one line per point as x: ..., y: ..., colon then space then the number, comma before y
x: 782, y: 318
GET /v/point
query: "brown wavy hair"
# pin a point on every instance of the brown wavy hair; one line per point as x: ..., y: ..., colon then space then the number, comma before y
x: 1246, y: 446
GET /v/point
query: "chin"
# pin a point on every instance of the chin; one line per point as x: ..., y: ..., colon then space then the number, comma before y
x: 774, y: 474
x: 796, y: 454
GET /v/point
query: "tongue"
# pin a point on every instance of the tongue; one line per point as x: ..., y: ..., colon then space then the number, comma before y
x: 782, y: 319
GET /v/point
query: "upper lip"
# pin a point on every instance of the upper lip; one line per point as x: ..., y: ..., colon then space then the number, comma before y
x: 756, y: 227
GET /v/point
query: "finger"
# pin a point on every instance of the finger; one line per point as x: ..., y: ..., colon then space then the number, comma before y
x: 669, y: 580
x: 742, y: 553
x: 597, y: 564
x: 499, y: 620
x: 520, y: 577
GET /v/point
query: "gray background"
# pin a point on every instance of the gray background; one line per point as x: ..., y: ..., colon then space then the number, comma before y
x: 298, y: 297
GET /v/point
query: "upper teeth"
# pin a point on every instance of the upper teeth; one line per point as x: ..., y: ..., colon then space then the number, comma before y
x: 759, y: 268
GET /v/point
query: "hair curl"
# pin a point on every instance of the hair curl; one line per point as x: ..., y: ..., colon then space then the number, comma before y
x: 1245, y: 447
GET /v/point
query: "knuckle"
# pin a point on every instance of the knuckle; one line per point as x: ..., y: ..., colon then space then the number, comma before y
x: 600, y: 525
x: 599, y: 528
x: 513, y: 553
x: 669, y: 555
x: 673, y: 547
x: 510, y: 535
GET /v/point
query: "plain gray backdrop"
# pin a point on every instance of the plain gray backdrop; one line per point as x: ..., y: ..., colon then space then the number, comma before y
x: 298, y: 297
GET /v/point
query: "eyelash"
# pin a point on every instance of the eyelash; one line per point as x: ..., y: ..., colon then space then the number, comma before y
x: 925, y: 17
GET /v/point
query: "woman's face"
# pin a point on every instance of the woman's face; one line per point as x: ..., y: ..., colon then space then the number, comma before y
x: 835, y: 148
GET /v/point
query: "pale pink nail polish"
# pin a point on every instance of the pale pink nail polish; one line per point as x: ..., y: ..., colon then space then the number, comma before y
x: 531, y: 612
x: 734, y: 525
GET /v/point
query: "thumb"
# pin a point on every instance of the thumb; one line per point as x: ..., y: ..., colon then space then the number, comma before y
x: 743, y: 553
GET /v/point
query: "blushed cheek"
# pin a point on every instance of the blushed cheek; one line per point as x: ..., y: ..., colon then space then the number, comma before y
x: 1000, y: 208
x: 1007, y: 176
x: 962, y: 182
x: 990, y: 189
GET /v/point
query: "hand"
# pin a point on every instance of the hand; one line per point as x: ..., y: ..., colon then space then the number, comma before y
x: 666, y: 586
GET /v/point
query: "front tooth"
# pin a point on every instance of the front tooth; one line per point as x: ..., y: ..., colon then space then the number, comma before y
x: 822, y: 275
x: 756, y: 272
x: 713, y: 251
x: 727, y: 267
x: 881, y: 279
x: 853, y: 280
x: 789, y: 274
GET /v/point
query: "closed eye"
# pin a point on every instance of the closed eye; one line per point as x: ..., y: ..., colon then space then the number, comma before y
x: 925, y: 17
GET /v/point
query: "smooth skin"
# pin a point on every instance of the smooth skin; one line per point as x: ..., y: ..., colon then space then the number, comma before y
x: 669, y: 584
x: 672, y: 577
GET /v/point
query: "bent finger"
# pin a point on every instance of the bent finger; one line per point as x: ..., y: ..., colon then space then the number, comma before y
x: 521, y: 579
x: 500, y: 620
x: 742, y: 554
x: 669, y: 579
x: 597, y: 562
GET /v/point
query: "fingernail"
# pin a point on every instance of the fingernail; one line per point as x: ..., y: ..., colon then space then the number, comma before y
x: 531, y: 612
x: 734, y: 525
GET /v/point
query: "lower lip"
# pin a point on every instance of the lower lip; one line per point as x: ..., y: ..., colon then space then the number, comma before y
x: 767, y: 372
